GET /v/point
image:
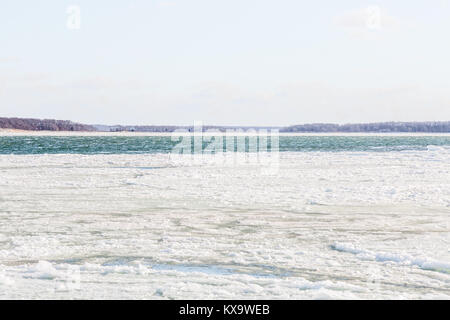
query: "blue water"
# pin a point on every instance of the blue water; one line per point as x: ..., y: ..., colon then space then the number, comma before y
x: 152, y: 144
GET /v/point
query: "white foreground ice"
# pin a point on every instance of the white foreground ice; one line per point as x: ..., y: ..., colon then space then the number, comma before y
x: 326, y: 225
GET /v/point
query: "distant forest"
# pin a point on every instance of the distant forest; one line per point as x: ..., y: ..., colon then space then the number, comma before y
x: 65, y: 125
x: 46, y: 124
x: 372, y: 127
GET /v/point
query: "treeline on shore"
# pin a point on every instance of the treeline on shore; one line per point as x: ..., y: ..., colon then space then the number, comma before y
x: 440, y: 126
x: 45, y: 124
x: 66, y: 125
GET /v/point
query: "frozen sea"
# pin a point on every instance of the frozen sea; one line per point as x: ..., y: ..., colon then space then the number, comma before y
x: 114, y: 217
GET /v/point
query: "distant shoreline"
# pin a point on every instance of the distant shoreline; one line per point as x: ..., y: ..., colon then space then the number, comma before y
x: 46, y: 133
x: 64, y: 127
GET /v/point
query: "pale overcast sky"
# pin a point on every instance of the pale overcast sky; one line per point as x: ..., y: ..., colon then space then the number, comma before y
x: 236, y: 62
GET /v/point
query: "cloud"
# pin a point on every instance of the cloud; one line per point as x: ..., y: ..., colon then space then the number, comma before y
x: 102, y: 99
x: 9, y: 60
x: 166, y: 4
x: 372, y: 18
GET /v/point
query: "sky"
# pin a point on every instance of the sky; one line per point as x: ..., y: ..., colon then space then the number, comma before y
x: 234, y: 62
